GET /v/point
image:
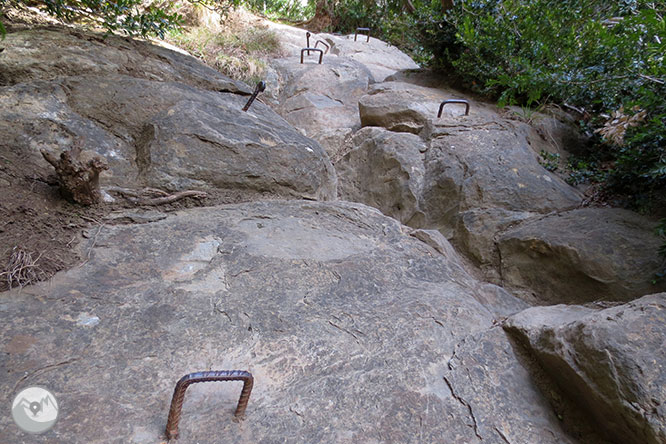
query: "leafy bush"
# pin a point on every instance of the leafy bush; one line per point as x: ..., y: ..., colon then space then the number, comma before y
x: 603, y: 57
x: 281, y: 9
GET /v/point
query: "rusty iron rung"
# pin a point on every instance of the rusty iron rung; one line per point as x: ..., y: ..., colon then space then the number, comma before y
x: 261, y: 86
x: 319, y: 50
x: 323, y: 43
x: 362, y: 29
x: 464, y: 102
x: 209, y: 376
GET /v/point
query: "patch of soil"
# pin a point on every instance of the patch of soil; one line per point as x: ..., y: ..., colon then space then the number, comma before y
x: 36, y: 222
x: 43, y: 231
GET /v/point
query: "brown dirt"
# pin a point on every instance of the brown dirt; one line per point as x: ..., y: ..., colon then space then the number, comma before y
x: 37, y: 220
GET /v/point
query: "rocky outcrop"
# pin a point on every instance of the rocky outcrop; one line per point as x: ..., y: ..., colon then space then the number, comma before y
x: 348, y: 324
x: 610, y: 361
x: 385, y: 170
x: 479, y: 181
x: 153, y: 132
x: 582, y: 255
x: 322, y: 100
x: 55, y: 53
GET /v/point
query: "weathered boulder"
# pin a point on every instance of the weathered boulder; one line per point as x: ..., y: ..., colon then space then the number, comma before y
x: 384, y: 170
x: 347, y: 323
x: 322, y: 100
x: 379, y: 57
x: 582, y: 255
x: 498, y: 170
x: 161, y: 134
x: 610, y: 361
x: 57, y: 52
x: 477, y: 232
x: 405, y: 107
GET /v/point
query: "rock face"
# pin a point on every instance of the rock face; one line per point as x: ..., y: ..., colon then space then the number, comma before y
x: 582, y: 255
x: 479, y: 181
x: 385, y: 170
x: 610, y: 361
x: 153, y: 132
x: 348, y: 324
x: 49, y: 54
x: 322, y: 100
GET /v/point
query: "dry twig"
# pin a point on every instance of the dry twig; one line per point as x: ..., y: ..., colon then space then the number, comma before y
x: 22, y: 269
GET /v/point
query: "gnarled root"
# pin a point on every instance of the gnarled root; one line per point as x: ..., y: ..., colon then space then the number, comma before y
x: 78, y: 173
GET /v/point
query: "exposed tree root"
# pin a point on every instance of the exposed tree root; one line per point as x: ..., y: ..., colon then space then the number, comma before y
x: 22, y: 269
x: 78, y: 173
x: 159, y: 197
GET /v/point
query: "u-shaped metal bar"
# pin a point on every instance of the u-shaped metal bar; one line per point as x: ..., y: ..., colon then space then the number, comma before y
x: 464, y: 102
x: 193, y: 378
x: 321, y: 53
x: 362, y: 29
x: 323, y: 43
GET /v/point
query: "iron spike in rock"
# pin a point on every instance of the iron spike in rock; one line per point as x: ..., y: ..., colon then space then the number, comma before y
x: 261, y: 86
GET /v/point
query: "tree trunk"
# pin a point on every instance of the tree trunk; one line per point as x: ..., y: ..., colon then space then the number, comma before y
x: 447, y: 4
x: 78, y: 174
x: 323, y: 19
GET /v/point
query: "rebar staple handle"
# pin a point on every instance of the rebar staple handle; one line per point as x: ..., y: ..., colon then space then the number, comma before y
x: 193, y: 378
x: 261, y: 86
x: 321, y: 53
x: 464, y: 102
x: 362, y: 29
x: 323, y: 43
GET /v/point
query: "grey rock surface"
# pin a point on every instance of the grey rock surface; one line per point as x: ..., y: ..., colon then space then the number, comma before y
x: 348, y: 324
x: 498, y: 170
x: 403, y: 107
x: 164, y: 134
x: 385, y: 170
x: 582, y: 255
x: 54, y: 53
x: 610, y: 361
x: 322, y: 100
x: 477, y: 232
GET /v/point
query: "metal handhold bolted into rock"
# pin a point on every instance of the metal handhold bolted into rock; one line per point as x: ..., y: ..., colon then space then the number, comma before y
x: 209, y: 376
x: 461, y: 101
x: 261, y: 87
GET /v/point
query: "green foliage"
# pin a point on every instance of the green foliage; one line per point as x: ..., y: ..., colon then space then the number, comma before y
x: 292, y: 10
x: 550, y: 161
x: 132, y: 17
x: 598, y: 55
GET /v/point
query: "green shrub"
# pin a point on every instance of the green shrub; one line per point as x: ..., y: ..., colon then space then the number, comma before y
x: 601, y: 56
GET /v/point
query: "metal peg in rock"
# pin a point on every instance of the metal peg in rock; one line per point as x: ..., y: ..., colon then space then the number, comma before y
x: 464, y: 102
x: 362, y: 29
x: 307, y: 40
x: 193, y: 378
x: 261, y: 86
x: 323, y: 43
x: 319, y: 50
